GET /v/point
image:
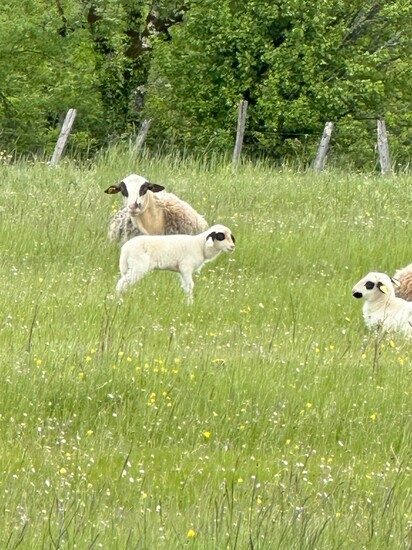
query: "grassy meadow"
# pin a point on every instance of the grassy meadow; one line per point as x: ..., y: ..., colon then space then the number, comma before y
x: 263, y: 416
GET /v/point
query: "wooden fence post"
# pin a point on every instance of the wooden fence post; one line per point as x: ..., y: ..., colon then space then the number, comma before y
x: 383, y: 148
x: 64, y: 136
x: 141, y: 136
x: 241, y: 123
x: 319, y: 163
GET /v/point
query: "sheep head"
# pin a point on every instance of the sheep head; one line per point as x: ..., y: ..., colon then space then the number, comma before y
x: 374, y: 286
x: 220, y: 238
x: 136, y: 192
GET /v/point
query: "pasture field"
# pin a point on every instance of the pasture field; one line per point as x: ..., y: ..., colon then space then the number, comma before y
x: 263, y: 416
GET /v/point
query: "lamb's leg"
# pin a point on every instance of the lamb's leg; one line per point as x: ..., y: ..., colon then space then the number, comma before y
x: 130, y: 278
x: 187, y: 285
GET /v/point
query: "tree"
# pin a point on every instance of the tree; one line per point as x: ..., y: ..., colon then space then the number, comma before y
x: 188, y: 63
x: 298, y: 63
x: 91, y: 55
x: 42, y: 74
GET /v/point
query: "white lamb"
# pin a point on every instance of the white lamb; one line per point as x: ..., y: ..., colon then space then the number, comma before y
x: 382, y: 309
x: 150, y: 210
x: 184, y: 254
x: 404, y: 278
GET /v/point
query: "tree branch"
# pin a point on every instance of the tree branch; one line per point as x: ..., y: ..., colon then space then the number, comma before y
x: 155, y: 25
x: 63, y: 29
x: 359, y: 23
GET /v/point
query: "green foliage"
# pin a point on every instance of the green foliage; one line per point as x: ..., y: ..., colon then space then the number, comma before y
x: 298, y: 64
x: 69, y: 54
x: 265, y: 416
x: 187, y: 65
x: 42, y: 75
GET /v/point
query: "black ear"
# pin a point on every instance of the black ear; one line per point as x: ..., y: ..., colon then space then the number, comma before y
x: 112, y: 190
x: 155, y: 188
x: 211, y: 236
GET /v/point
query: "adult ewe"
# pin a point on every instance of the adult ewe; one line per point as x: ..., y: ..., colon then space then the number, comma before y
x: 382, y: 308
x: 404, y: 278
x: 150, y: 210
x: 184, y: 254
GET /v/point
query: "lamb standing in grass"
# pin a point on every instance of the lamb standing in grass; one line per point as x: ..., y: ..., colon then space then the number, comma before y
x: 382, y: 309
x: 404, y: 278
x: 150, y: 210
x: 184, y: 254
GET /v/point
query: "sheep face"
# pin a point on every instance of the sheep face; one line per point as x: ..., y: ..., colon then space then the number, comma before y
x: 135, y: 190
x: 374, y: 286
x: 220, y: 238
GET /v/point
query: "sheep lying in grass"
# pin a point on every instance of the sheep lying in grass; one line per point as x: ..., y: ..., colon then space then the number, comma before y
x: 404, y: 278
x: 150, y: 210
x: 382, y: 309
x: 184, y: 254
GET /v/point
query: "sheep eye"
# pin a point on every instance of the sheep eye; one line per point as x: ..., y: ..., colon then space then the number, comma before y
x: 220, y: 236
x: 123, y: 189
x: 144, y: 188
x: 369, y: 285
x: 233, y: 239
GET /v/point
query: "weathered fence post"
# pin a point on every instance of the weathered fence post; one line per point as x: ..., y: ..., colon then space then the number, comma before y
x: 319, y: 163
x: 241, y: 122
x: 141, y: 136
x: 64, y: 136
x: 383, y: 148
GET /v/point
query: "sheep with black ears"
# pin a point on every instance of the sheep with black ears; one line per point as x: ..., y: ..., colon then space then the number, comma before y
x: 404, y: 278
x: 382, y: 308
x: 184, y: 254
x: 150, y: 210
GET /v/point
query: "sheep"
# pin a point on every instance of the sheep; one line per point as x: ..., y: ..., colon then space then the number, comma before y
x: 184, y: 254
x: 121, y: 227
x: 382, y: 308
x: 404, y: 278
x: 151, y: 211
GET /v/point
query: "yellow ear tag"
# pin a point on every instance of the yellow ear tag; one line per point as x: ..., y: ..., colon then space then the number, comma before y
x: 383, y: 289
x: 112, y: 190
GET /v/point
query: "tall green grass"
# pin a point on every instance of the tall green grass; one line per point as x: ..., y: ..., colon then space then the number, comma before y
x: 263, y: 416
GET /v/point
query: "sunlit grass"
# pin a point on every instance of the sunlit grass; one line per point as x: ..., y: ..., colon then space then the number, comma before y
x: 264, y: 416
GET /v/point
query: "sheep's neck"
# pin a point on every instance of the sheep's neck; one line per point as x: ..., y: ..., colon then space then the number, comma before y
x: 210, y: 253
x: 151, y: 221
x: 378, y: 305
